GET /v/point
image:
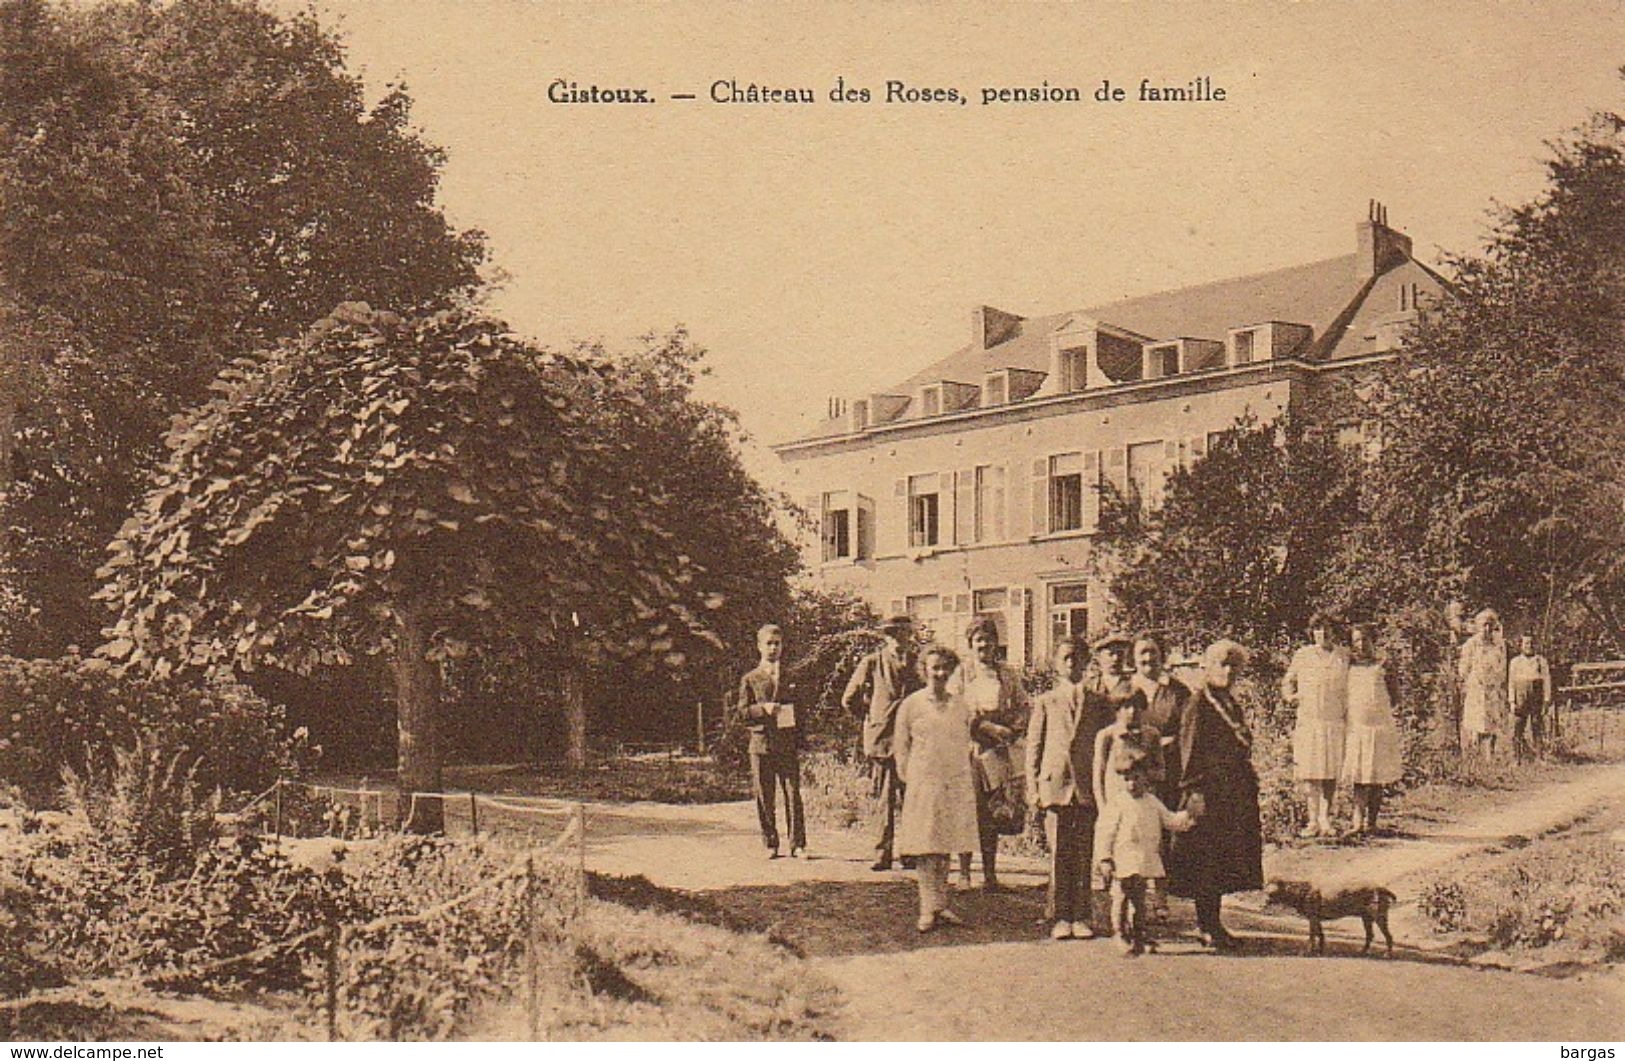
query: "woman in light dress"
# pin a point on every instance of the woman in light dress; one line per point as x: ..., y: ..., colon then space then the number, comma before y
x: 938, y: 819
x: 998, y: 710
x: 1371, y: 758
x: 1316, y: 682
x: 1483, y: 673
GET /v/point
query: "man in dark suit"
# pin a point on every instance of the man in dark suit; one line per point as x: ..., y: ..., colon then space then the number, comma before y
x: 1060, y: 757
x: 767, y: 704
x: 879, y: 684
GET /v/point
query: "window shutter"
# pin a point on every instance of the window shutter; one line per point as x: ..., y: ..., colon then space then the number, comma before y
x: 1117, y: 468
x: 1040, y: 498
x: 892, y: 531
x: 995, y: 522
x: 965, y: 507
x: 894, y: 607
x: 865, y: 545
x: 961, y: 603
x: 1091, y: 491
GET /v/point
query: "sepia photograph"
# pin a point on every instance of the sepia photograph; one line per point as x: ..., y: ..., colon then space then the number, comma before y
x: 532, y: 520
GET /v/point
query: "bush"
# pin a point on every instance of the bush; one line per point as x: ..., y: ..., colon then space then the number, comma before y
x: 144, y: 806
x: 57, y: 709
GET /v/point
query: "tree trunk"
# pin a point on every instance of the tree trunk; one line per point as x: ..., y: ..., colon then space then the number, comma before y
x: 417, y: 715
x: 574, y: 685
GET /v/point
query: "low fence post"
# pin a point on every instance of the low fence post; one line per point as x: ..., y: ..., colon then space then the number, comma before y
x: 276, y: 818
x: 332, y: 982
x: 581, y: 859
x: 474, y: 813
x: 533, y: 1002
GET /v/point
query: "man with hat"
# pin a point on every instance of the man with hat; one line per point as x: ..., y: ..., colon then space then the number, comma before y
x: 879, y: 684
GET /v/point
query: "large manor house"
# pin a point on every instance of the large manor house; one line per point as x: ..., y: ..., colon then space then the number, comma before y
x: 970, y: 488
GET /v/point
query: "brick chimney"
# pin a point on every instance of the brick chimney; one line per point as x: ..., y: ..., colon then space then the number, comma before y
x: 990, y: 326
x: 1380, y: 247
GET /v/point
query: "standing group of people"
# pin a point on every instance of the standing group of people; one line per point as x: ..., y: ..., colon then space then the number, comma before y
x: 1345, y: 730
x: 1494, y: 687
x: 1138, y: 777
x: 1145, y: 783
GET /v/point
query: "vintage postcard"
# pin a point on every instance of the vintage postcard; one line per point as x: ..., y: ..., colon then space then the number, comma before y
x: 843, y: 521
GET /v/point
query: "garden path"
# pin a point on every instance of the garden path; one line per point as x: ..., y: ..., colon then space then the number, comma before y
x: 857, y: 926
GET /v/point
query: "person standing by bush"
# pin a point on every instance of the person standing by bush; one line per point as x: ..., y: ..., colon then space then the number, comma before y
x: 1483, y: 672
x: 1529, y: 679
x: 1316, y: 682
x: 882, y: 680
x: 1059, y: 743
x: 933, y: 727
x: 767, y: 703
x: 998, y: 709
x: 1372, y: 756
x: 1224, y: 851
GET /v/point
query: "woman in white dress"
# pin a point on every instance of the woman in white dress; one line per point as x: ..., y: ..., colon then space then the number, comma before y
x: 1483, y: 673
x: 939, y: 797
x: 998, y: 713
x: 1316, y: 682
x: 1372, y: 757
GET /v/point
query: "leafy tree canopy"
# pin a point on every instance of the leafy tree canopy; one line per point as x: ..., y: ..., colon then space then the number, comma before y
x: 1237, y: 544
x: 1503, y: 472
x: 181, y: 183
x: 378, y: 472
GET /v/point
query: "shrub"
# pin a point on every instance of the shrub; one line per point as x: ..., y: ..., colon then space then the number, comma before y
x: 56, y: 709
x: 143, y: 805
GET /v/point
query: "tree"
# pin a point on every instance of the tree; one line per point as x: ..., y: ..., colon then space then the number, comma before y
x: 182, y: 183
x: 1502, y: 477
x: 730, y: 524
x: 1237, y: 545
x: 421, y: 488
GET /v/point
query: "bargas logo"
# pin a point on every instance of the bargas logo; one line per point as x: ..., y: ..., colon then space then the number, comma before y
x: 1587, y: 1053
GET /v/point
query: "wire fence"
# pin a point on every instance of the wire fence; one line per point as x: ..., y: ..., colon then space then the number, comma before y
x: 360, y: 812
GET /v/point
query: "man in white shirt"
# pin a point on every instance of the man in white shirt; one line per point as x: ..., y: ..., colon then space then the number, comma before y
x: 1529, y: 680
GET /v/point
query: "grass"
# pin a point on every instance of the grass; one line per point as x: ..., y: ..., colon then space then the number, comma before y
x: 1559, y: 900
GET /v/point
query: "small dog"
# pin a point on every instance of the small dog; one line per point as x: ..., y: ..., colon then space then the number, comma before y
x: 1369, y: 904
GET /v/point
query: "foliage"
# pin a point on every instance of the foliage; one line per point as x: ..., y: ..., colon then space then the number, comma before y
x: 381, y: 470
x: 1500, y: 477
x: 1237, y: 540
x: 61, y: 709
x: 1565, y: 891
x: 182, y: 182
x: 143, y: 805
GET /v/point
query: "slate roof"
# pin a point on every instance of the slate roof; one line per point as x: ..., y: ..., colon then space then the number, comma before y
x: 1347, y: 315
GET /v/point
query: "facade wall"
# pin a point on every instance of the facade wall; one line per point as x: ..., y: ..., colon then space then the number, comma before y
x: 1011, y: 566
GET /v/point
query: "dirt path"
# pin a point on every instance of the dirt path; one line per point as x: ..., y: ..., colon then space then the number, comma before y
x: 857, y: 926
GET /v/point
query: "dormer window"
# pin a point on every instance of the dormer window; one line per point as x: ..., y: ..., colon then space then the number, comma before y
x: 930, y: 400
x: 1161, y: 361
x: 1074, y: 369
x: 1241, y: 348
x: 860, y: 414
x: 995, y: 391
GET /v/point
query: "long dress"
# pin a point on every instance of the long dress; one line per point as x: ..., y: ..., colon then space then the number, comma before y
x: 939, y: 797
x: 1372, y: 755
x: 1483, y: 672
x: 1224, y: 851
x: 993, y: 695
x: 1318, y: 679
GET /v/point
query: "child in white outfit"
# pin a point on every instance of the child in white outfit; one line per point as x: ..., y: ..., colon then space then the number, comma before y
x: 1129, y: 844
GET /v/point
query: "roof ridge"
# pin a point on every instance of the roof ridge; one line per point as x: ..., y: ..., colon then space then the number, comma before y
x: 1317, y: 263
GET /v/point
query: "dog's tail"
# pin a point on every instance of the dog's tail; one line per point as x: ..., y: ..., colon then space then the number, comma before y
x: 1386, y: 894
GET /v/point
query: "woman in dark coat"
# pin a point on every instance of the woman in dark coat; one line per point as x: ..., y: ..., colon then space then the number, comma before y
x: 1224, y: 852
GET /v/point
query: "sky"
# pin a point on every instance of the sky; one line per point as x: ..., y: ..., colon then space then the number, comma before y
x: 834, y: 249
